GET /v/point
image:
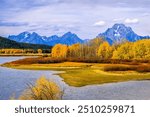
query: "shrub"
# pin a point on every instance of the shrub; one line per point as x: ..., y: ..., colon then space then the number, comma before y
x: 42, y: 90
x: 144, y: 68
x: 119, y: 68
x: 48, y: 60
x: 138, y: 68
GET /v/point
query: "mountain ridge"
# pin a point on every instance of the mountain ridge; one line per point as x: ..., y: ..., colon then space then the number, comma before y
x: 116, y: 34
x: 34, y: 38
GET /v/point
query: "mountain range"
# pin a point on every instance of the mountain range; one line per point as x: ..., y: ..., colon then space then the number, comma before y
x: 116, y: 34
x: 34, y: 38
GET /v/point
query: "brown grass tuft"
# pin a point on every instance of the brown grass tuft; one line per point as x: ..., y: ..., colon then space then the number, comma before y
x: 42, y: 90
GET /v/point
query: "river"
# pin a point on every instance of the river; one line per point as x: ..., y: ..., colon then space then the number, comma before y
x: 14, y: 82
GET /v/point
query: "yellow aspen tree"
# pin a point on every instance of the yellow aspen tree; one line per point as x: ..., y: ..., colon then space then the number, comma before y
x: 124, y: 51
x: 105, y: 51
x: 147, y: 45
x: 56, y: 50
x: 74, y: 50
x: 60, y: 51
x: 141, y: 49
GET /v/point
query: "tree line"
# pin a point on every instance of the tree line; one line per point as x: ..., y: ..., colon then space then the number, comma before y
x: 100, y: 49
x: 24, y: 51
x: 10, y: 44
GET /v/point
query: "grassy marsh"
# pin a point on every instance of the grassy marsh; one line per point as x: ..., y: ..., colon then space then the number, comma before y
x: 80, y: 74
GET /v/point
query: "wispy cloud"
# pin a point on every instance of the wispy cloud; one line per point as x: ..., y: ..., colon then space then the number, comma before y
x: 117, y: 19
x: 100, y: 23
x: 131, y: 21
x: 13, y: 24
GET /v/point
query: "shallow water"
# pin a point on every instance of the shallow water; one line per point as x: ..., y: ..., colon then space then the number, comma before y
x: 14, y: 81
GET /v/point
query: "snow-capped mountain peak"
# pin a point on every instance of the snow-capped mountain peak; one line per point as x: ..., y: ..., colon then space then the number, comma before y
x: 118, y: 33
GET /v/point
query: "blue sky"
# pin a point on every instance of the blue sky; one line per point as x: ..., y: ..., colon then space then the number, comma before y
x: 87, y: 18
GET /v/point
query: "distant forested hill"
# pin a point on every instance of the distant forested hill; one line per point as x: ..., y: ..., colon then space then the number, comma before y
x: 6, y: 43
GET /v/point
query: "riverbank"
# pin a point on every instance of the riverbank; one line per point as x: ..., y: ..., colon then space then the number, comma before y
x: 82, y: 74
x: 14, y: 82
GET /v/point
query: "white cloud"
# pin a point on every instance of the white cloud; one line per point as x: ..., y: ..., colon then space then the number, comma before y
x: 131, y: 21
x: 50, y: 17
x: 100, y: 23
x: 117, y: 19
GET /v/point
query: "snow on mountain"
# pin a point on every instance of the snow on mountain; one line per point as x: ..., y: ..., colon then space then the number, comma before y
x: 119, y: 33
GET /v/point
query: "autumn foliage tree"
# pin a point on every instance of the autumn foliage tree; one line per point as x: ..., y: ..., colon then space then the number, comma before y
x: 124, y: 51
x: 105, y: 51
x: 135, y: 50
x: 100, y: 49
x: 141, y: 49
x: 60, y: 51
x: 89, y: 50
x: 73, y: 50
x: 94, y: 46
x: 147, y: 45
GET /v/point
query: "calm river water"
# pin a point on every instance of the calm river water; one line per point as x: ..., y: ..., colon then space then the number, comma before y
x: 13, y: 82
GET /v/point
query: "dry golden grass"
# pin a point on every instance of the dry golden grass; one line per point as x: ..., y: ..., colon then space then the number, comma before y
x: 89, y: 76
x: 81, y: 74
x: 42, y: 90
